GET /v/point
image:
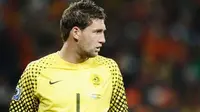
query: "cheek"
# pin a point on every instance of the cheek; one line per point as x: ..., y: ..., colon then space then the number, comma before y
x: 90, y: 41
x: 86, y: 44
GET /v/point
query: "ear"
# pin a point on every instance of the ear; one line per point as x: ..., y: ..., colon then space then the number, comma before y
x: 76, y: 32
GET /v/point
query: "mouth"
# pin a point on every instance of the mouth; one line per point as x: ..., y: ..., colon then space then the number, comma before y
x: 98, y: 49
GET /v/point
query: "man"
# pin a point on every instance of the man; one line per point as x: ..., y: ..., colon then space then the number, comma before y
x: 76, y: 78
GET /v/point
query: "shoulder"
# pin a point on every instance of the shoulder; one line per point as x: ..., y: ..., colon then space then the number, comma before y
x: 41, y: 63
x: 109, y: 62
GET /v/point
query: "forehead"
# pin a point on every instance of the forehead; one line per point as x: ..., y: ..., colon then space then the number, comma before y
x: 97, y: 24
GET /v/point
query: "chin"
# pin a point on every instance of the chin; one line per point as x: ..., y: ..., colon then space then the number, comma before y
x: 93, y: 55
x: 90, y: 55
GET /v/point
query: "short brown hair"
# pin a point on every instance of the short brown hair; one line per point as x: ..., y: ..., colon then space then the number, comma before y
x: 79, y: 14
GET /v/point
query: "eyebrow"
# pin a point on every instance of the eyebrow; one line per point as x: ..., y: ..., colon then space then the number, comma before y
x: 100, y: 30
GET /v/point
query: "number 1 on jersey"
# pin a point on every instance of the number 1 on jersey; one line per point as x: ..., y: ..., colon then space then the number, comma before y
x: 77, y: 102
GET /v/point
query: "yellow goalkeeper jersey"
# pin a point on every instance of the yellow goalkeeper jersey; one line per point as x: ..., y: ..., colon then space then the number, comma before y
x: 51, y: 84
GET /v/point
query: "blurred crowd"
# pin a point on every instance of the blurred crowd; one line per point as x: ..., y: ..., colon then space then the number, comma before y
x: 155, y: 42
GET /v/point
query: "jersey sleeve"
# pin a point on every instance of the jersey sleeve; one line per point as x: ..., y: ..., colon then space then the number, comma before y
x: 118, y: 101
x: 24, y: 99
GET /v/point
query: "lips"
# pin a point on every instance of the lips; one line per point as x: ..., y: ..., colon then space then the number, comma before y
x: 98, y: 49
x: 99, y: 46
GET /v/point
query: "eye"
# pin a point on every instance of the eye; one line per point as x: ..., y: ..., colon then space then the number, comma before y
x: 99, y: 31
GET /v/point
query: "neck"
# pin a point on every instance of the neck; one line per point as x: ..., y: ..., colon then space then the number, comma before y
x: 69, y: 52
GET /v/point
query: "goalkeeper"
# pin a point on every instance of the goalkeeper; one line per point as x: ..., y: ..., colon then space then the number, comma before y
x: 75, y: 78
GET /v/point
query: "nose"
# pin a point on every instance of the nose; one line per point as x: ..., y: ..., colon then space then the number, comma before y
x: 102, y: 39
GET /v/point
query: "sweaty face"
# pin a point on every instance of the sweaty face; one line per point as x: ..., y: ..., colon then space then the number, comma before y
x: 92, y: 38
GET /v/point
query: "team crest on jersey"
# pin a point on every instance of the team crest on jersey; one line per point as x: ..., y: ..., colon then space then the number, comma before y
x: 17, y: 94
x: 96, y: 79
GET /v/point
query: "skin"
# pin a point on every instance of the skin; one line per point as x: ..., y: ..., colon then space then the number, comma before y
x: 84, y: 44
